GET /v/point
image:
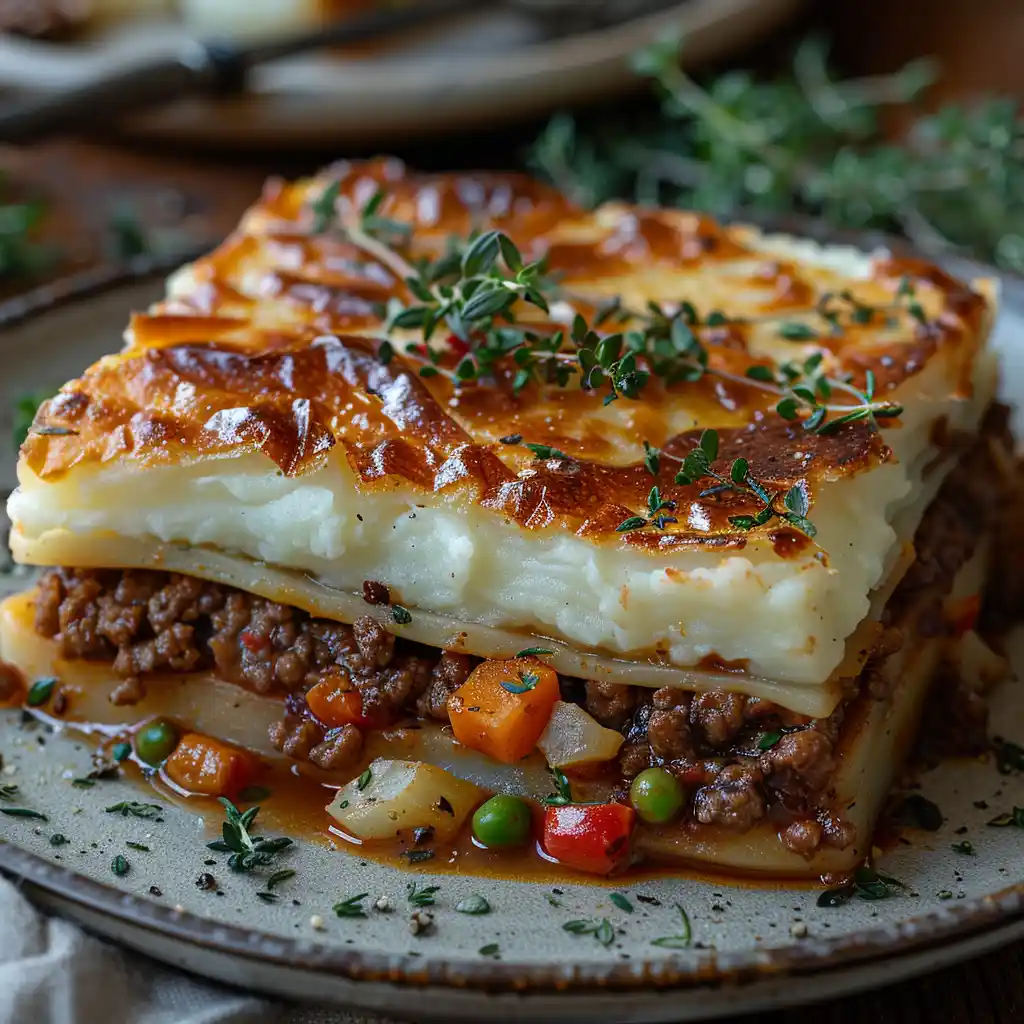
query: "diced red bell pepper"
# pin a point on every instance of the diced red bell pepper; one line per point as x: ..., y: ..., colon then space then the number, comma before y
x: 963, y: 614
x: 252, y: 642
x: 336, y: 703
x: 592, y: 838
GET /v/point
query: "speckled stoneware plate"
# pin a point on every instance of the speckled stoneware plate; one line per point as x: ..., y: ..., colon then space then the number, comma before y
x: 754, y: 946
x: 487, y: 67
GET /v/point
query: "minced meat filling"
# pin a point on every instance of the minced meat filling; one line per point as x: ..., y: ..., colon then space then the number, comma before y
x: 146, y: 621
x: 741, y: 758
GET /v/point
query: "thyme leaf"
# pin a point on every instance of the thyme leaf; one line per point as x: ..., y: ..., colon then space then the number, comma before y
x: 421, y: 896
x: 23, y: 812
x: 247, y: 851
x: 681, y: 941
x: 129, y: 808
x: 352, y: 906
x: 527, y: 681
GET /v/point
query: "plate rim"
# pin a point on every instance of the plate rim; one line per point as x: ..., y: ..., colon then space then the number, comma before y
x: 695, y: 969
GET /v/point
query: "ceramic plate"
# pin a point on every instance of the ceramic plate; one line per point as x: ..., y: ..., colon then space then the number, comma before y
x: 754, y: 946
x: 481, y: 70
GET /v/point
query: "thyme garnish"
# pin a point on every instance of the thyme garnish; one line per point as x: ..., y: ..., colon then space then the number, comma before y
x: 867, y: 884
x: 352, y: 906
x: 681, y: 941
x: 247, y: 851
x: 280, y: 876
x: 544, y: 451
x: 474, y: 288
x: 23, y: 812
x: 533, y: 652
x: 129, y: 808
x: 698, y: 464
x: 527, y: 681
x: 654, y: 517
x: 965, y: 846
x: 120, y: 866
x: 563, y: 793
x: 601, y: 930
x: 8, y: 792
x: 620, y: 900
x: 421, y: 896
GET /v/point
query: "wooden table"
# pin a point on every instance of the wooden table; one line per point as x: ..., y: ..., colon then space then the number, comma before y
x: 87, y: 183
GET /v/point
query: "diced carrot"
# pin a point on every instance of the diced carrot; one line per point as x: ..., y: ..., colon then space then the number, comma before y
x: 336, y: 702
x: 201, y: 764
x: 504, y: 706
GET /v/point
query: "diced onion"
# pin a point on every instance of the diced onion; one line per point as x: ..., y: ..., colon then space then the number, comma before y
x: 398, y: 795
x: 573, y: 737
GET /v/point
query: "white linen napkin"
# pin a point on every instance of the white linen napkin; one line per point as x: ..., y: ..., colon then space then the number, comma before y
x: 53, y: 973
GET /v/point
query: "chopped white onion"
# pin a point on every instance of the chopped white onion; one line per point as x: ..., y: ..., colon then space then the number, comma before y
x: 573, y: 737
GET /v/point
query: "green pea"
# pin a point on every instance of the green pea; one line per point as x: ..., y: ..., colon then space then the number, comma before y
x: 156, y: 740
x: 657, y: 796
x: 503, y: 822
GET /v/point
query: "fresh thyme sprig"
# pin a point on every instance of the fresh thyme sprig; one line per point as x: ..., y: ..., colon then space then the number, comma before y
x: 563, y: 790
x: 805, y: 388
x: 697, y: 465
x: 352, y: 906
x: 247, y: 851
x: 655, y: 516
x: 807, y: 140
x: 474, y: 289
x: 421, y: 896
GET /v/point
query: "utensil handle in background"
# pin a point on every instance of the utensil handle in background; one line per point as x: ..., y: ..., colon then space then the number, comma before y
x: 103, y: 100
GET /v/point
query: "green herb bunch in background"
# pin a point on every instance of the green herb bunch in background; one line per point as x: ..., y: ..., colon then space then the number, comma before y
x: 20, y: 254
x: 810, y: 143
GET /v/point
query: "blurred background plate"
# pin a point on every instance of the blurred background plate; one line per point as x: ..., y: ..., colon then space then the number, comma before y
x: 474, y: 71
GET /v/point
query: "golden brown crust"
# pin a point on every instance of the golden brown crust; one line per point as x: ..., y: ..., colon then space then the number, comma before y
x: 269, y: 344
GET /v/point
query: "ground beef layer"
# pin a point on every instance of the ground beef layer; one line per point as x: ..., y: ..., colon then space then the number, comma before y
x: 716, y: 743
